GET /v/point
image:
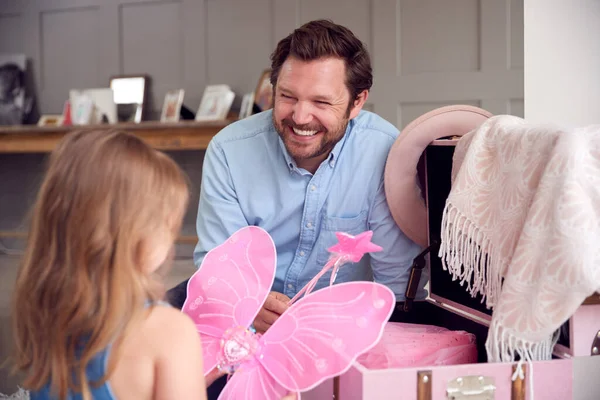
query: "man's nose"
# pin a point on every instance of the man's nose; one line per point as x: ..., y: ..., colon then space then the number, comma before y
x: 301, y: 114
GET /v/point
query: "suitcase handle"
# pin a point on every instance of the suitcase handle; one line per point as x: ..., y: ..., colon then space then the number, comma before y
x: 416, y: 271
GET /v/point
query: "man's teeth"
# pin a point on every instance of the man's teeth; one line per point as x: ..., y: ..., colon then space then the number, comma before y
x: 304, y: 133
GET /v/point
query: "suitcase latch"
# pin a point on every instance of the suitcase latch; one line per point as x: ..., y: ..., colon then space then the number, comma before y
x: 596, y: 345
x: 471, y: 388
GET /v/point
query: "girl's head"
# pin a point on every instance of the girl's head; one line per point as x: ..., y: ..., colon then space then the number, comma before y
x: 105, y: 219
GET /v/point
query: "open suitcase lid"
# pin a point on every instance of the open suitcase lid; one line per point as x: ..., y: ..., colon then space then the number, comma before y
x: 417, y: 183
x: 408, y: 183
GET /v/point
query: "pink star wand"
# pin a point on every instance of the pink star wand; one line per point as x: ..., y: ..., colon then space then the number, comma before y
x: 348, y: 249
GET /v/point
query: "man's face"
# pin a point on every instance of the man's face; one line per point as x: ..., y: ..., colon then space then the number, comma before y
x: 311, y: 108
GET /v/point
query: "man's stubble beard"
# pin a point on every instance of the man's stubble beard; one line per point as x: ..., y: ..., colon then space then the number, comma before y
x: 328, y: 140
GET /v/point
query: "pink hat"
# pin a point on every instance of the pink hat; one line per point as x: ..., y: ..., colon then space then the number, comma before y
x: 401, y: 188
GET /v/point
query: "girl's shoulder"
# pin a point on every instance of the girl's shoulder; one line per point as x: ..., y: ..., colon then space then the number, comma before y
x: 176, y: 343
x: 166, y: 322
x: 153, y: 350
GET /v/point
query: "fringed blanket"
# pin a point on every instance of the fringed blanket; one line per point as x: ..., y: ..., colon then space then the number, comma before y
x: 521, y: 226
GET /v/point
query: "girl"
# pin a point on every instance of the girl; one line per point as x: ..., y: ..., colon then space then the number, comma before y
x: 87, y: 313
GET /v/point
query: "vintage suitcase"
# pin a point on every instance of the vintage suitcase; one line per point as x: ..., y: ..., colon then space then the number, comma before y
x: 577, y: 334
x: 574, y: 373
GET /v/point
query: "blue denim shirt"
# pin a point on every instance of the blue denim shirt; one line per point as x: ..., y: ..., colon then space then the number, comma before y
x: 249, y: 178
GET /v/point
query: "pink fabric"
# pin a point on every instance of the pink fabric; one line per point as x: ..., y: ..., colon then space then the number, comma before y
x: 317, y: 338
x: 411, y: 345
x: 522, y: 223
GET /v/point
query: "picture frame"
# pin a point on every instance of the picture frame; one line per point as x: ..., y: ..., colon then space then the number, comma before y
x: 171, y: 109
x: 51, y: 120
x: 263, y: 95
x: 83, y: 110
x: 15, y: 104
x: 216, y: 103
x: 93, y: 106
x: 130, y: 95
x: 246, y: 106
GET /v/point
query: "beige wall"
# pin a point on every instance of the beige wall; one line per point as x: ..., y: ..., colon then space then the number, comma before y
x: 426, y: 53
x: 562, y: 74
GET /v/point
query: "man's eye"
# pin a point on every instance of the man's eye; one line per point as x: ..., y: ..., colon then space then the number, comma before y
x: 325, y: 103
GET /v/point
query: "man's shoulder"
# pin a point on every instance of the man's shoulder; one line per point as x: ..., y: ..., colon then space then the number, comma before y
x: 378, y: 130
x: 248, y: 128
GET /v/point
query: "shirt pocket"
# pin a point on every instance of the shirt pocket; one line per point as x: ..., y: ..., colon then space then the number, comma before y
x: 331, y: 225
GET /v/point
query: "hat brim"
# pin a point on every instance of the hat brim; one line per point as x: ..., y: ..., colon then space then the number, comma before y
x: 401, y: 182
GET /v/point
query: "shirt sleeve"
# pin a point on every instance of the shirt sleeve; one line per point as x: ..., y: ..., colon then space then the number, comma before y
x: 391, y: 266
x: 219, y: 212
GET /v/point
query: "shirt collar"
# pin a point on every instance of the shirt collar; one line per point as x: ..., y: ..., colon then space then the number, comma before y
x: 331, y: 159
x: 291, y: 163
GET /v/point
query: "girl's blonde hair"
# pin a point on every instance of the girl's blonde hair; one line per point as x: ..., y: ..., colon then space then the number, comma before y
x: 105, y: 196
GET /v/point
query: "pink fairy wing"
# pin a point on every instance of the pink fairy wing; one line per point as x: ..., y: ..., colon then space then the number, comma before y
x: 230, y: 286
x: 321, y: 335
x: 251, y: 382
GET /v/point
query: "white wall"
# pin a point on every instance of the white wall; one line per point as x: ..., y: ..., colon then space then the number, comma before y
x: 562, y: 61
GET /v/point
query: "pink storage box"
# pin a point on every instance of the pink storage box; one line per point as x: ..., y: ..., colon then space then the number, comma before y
x: 577, y: 334
x: 575, y: 378
x: 573, y: 374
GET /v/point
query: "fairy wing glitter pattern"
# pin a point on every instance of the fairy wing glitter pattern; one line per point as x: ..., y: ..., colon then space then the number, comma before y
x: 229, y: 288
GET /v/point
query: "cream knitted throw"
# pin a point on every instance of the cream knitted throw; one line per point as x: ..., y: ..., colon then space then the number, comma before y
x: 523, y: 222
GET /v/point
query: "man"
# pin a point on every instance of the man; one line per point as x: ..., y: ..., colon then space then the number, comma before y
x: 309, y: 168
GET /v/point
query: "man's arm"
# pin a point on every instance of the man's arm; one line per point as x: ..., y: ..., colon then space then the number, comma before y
x: 391, y: 266
x: 220, y: 216
x: 219, y: 212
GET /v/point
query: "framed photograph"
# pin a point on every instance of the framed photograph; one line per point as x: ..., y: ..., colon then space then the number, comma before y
x: 130, y: 93
x: 83, y: 111
x: 172, y: 106
x: 246, y: 107
x: 50, y: 120
x: 216, y: 103
x: 102, y: 109
x: 13, y: 107
x: 263, y: 95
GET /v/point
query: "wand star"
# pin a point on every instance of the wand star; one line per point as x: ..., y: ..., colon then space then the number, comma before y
x: 354, y: 247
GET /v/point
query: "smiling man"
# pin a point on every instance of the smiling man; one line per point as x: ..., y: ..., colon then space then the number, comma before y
x: 309, y: 168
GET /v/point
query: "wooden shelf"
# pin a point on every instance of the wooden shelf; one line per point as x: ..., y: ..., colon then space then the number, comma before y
x: 185, y: 135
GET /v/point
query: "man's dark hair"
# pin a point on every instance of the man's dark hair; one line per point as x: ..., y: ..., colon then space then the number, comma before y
x: 323, y: 38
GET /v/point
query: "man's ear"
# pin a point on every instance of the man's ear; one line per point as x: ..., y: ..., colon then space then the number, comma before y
x: 359, y: 102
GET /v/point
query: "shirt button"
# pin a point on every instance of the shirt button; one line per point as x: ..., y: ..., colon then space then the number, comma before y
x: 313, y: 188
x: 309, y: 225
x: 332, y: 163
x: 301, y: 254
x: 290, y: 286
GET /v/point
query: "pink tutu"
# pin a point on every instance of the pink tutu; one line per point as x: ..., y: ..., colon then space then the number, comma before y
x: 411, y: 345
